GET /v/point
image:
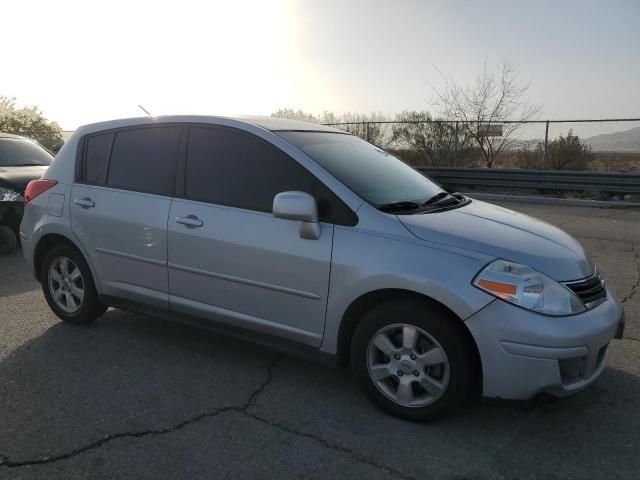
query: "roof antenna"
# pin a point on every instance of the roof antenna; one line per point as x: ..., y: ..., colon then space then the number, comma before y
x: 144, y: 110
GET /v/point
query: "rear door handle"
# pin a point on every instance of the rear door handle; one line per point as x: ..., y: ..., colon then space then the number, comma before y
x: 190, y: 221
x: 84, y: 202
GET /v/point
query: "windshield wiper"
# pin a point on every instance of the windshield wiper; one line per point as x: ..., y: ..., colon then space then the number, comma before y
x: 398, y: 206
x: 439, y: 200
x: 438, y: 197
x: 444, y: 198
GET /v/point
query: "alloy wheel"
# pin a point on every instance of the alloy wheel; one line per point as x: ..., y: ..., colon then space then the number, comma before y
x: 408, y: 365
x: 66, y: 284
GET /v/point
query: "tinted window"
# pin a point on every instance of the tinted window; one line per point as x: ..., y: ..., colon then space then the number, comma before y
x: 144, y: 159
x: 97, y: 158
x: 375, y: 175
x: 19, y: 151
x: 228, y: 167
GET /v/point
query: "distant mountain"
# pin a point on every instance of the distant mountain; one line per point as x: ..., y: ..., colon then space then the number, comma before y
x: 626, y: 141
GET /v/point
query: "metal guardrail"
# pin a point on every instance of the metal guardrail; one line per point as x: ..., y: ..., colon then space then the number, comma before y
x: 537, y: 179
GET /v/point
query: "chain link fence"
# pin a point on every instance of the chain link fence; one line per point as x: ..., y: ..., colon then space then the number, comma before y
x: 608, y: 145
x: 597, y: 145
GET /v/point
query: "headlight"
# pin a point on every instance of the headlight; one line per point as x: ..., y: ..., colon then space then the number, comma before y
x: 10, y: 195
x: 523, y: 286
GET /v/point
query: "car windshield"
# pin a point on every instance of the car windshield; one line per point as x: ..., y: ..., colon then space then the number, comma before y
x: 373, y: 174
x: 20, y: 152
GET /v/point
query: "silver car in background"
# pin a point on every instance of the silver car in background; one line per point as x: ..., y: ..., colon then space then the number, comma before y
x: 317, y: 242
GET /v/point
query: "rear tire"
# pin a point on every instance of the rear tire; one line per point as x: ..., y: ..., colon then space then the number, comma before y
x: 8, y: 240
x: 411, y: 360
x: 68, y: 286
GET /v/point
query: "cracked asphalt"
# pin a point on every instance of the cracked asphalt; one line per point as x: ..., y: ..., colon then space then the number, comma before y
x: 137, y: 397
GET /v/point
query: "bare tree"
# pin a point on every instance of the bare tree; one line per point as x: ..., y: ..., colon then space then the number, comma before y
x: 482, y: 106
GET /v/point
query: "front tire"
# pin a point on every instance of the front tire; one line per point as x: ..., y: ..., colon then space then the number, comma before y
x: 411, y: 360
x: 68, y: 286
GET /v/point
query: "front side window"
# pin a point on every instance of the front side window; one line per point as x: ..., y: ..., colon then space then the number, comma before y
x: 22, y: 152
x: 371, y: 173
x: 234, y: 168
x: 144, y: 159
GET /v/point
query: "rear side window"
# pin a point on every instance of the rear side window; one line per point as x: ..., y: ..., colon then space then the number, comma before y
x: 236, y: 169
x: 98, y: 148
x: 144, y: 160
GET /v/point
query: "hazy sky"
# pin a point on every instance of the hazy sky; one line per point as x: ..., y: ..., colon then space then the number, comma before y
x: 88, y: 61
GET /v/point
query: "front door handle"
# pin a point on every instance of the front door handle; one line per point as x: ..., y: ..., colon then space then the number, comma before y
x: 190, y: 221
x: 84, y: 202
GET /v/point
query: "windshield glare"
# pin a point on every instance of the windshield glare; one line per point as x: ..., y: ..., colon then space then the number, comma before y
x: 373, y: 174
x: 19, y: 151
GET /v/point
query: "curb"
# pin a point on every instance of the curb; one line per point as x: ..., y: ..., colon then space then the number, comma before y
x: 568, y: 202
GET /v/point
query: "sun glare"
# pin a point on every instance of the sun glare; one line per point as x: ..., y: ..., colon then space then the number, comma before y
x: 213, y: 57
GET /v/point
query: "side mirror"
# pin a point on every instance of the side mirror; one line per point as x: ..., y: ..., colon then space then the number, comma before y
x: 301, y: 207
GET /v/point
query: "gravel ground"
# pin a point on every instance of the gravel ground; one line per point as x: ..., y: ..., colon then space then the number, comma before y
x: 137, y: 397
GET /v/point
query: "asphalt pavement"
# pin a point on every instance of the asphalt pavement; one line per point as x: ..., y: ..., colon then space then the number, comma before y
x: 133, y: 396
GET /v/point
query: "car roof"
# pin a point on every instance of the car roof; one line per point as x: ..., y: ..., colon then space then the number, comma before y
x: 11, y: 135
x: 269, y: 123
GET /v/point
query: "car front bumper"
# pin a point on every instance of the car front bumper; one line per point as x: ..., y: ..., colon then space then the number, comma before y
x: 524, y: 353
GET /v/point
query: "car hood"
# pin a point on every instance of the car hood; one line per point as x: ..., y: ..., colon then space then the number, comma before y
x: 17, y: 177
x: 503, y: 233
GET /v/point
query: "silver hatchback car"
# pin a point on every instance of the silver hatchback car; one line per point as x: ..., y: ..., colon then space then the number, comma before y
x: 315, y: 241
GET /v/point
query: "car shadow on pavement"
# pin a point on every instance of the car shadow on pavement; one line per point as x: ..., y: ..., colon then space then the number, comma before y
x: 15, y: 276
x: 129, y: 373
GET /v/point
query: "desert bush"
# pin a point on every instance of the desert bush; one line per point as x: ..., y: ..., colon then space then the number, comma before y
x: 568, y: 153
x: 361, y: 125
x: 530, y: 158
x: 431, y: 142
x: 358, y: 124
x: 293, y: 114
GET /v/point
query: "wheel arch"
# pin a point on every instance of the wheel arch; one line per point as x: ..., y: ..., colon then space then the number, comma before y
x: 45, y: 243
x: 364, y: 303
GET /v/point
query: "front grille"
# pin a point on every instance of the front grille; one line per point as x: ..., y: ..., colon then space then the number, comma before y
x: 590, y: 290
